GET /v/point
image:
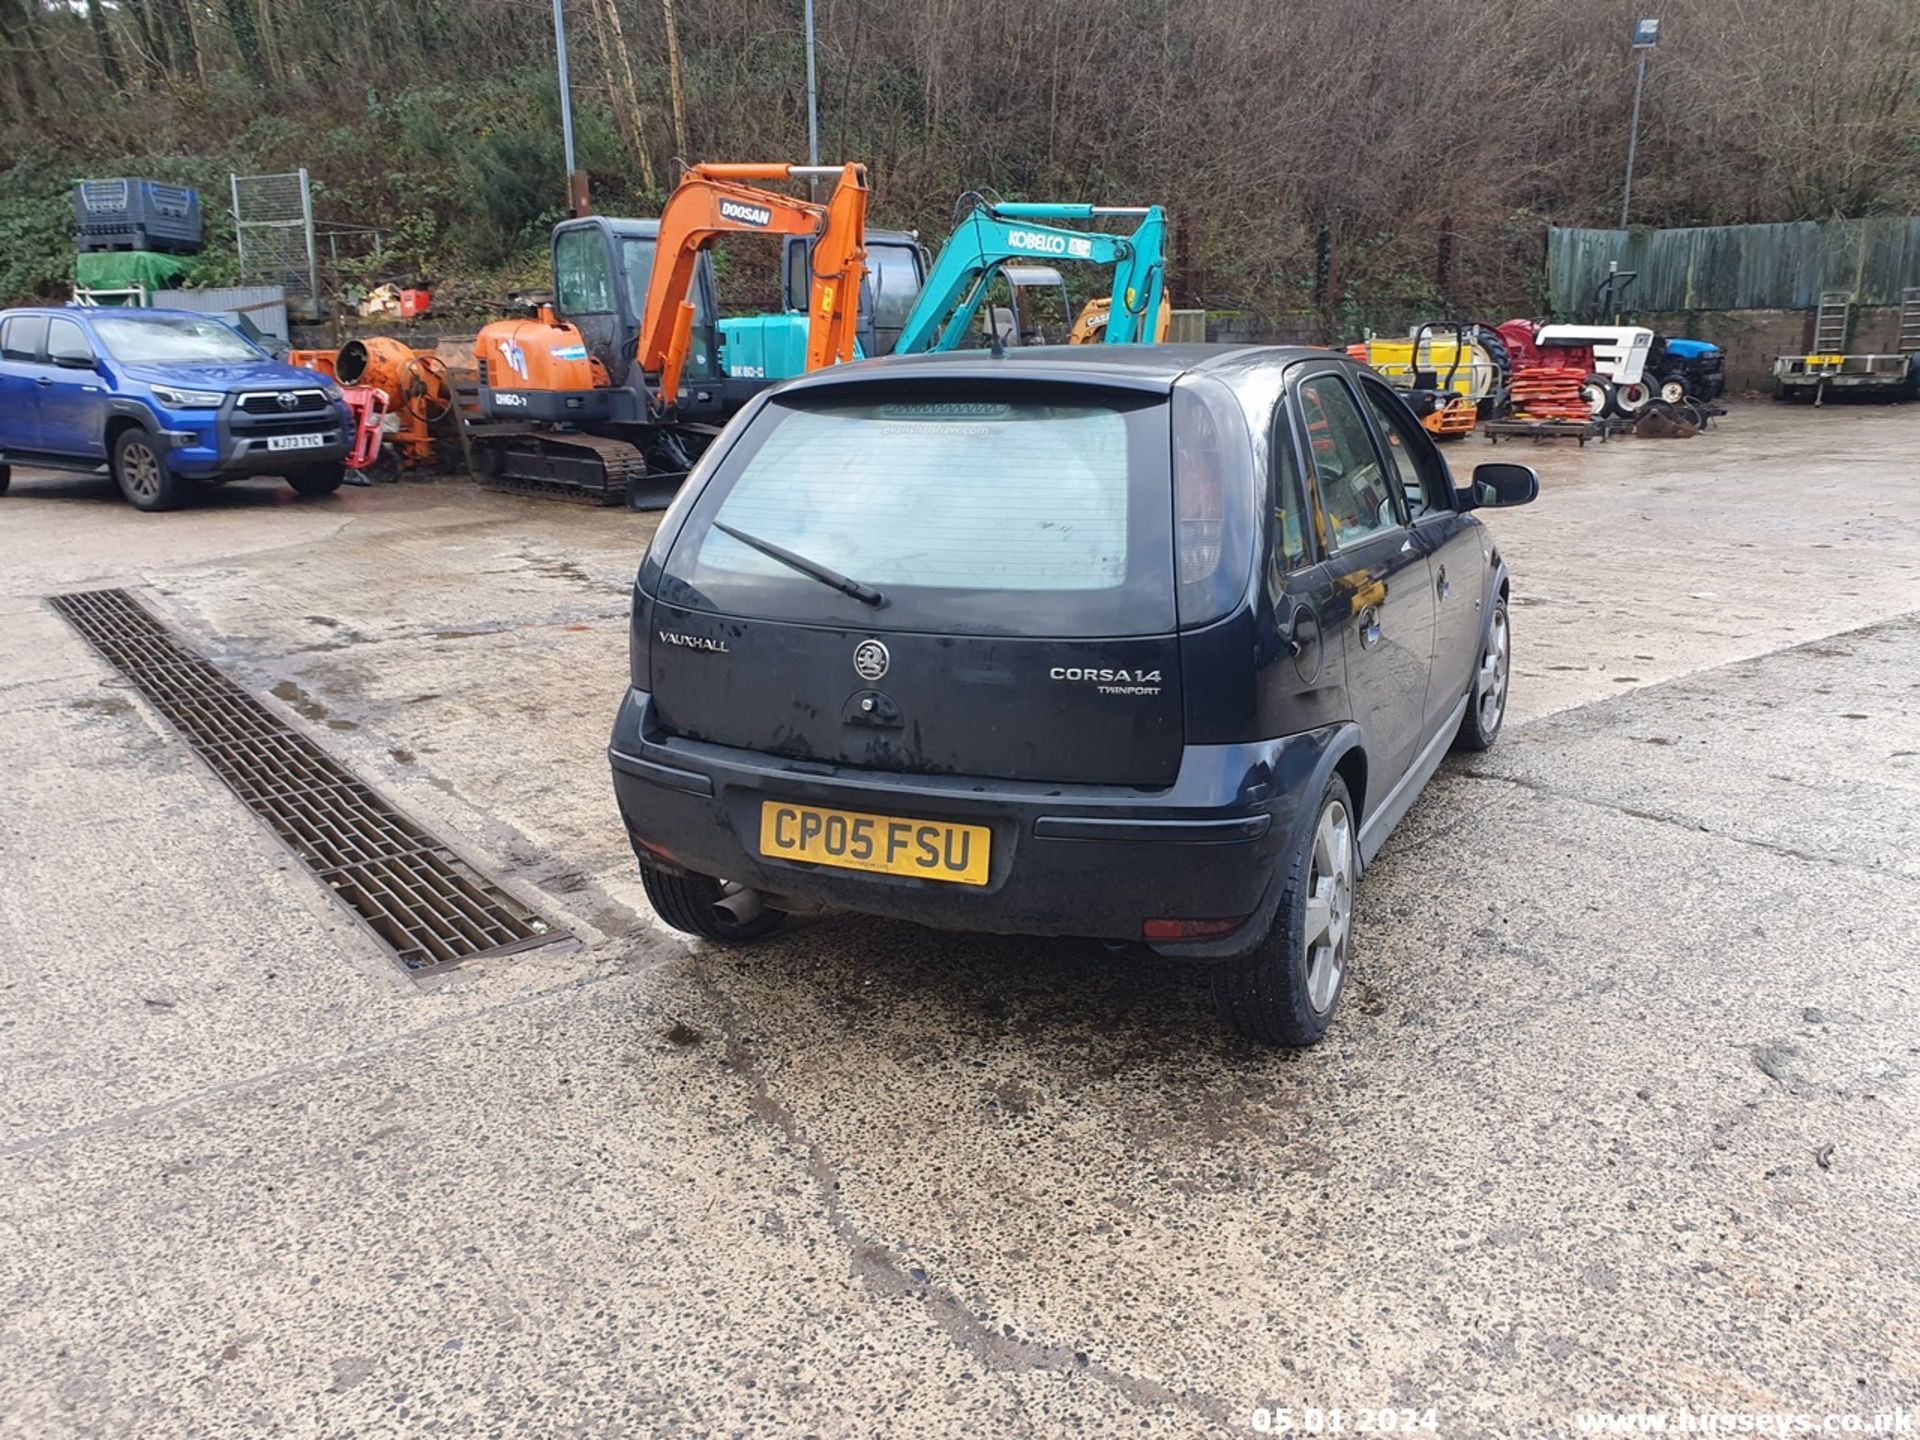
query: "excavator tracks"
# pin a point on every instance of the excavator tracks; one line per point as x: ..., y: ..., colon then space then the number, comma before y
x: 586, y: 469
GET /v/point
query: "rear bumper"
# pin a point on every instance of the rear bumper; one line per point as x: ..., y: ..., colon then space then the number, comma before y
x: 1081, y: 860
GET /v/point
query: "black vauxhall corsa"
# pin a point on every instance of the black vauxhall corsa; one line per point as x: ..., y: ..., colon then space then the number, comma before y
x: 1137, y: 643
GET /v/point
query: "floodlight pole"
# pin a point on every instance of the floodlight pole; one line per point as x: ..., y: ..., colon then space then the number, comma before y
x: 813, y: 106
x: 1645, y: 35
x: 566, y: 89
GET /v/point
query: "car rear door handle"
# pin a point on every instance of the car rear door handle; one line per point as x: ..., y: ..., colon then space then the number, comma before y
x: 1444, y: 588
x: 43, y: 380
x: 1370, y: 627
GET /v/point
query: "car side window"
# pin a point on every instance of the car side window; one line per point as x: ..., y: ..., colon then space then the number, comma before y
x: 24, y: 336
x: 67, y: 341
x: 1289, y: 500
x: 1421, y: 489
x: 1355, y: 497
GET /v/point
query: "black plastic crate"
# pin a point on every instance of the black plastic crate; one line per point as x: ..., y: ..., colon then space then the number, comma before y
x: 137, y: 215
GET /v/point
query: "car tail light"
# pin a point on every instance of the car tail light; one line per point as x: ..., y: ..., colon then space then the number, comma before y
x: 1215, y: 500
x: 1190, y: 929
x: 660, y: 850
x: 1199, y: 523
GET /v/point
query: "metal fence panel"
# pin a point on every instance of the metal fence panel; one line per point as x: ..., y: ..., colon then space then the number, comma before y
x: 1739, y: 267
x: 273, y: 231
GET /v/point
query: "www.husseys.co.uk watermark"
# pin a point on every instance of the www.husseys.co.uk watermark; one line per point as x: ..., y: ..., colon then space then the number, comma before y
x: 1897, y: 1421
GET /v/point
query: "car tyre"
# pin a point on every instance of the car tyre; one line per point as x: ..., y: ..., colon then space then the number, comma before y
x: 319, y: 480
x: 691, y: 903
x: 1284, y: 991
x: 142, y: 474
x: 1487, y: 700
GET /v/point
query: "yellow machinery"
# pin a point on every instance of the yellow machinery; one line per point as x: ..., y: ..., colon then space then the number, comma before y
x: 1090, y: 328
x: 1447, y: 377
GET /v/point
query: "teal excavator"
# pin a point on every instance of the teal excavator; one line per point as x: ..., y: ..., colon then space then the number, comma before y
x: 996, y: 279
x: 1021, y: 244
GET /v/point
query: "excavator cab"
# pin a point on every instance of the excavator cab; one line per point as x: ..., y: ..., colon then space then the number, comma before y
x: 1023, y: 305
x: 896, y: 271
x: 601, y: 270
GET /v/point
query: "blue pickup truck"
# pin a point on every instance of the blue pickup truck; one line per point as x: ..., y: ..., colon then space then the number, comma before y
x: 164, y: 401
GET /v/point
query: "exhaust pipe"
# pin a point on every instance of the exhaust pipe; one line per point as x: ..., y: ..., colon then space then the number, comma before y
x: 742, y: 906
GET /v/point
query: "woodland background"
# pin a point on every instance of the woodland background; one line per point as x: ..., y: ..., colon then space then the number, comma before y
x: 1340, y: 159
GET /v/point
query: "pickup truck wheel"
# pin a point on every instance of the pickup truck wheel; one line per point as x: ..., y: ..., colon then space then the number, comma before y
x: 1487, y: 701
x: 691, y: 903
x: 320, y: 480
x: 141, y: 474
x: 1284, y: 990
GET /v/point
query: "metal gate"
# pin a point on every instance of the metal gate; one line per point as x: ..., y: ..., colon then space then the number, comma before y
x: 273, y: 229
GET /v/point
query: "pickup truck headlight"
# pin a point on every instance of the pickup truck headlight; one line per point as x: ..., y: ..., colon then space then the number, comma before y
x: 187, y: 399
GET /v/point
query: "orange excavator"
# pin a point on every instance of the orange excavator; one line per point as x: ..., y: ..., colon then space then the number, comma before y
x: 613, y: 391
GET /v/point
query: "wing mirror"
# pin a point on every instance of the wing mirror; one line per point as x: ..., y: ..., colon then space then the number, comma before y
x: 1498, y: 483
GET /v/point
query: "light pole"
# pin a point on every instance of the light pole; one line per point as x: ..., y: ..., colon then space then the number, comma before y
x: 1646, y: 34
x: 813, y: 106
x: 574, y: 196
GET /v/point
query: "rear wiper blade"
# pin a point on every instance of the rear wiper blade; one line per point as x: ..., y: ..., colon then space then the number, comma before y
x: 813, y: 569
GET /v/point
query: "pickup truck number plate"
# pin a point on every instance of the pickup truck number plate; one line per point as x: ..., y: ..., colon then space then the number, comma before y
x: 295, y: 442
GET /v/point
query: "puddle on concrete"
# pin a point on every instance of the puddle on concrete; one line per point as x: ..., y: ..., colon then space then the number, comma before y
x: 101, y: 705
x: 308, y: 708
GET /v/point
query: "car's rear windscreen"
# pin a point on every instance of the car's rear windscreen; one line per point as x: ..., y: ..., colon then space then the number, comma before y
x: 1042, y: 511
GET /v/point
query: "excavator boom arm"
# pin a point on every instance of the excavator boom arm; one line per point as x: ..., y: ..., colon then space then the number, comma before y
x: 716, y: 200
x: 991, y: 235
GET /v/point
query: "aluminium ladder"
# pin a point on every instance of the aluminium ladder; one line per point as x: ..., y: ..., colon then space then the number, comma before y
x: 1831, y: 321
x: 1908, y: 342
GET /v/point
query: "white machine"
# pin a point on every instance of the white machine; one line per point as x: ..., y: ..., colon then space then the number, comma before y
x: 1619, y: 363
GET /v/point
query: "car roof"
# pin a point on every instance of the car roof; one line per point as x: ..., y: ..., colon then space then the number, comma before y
x: 1145, y: 367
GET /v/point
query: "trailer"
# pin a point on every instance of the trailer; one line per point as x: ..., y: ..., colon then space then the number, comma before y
x: 1829, y: 367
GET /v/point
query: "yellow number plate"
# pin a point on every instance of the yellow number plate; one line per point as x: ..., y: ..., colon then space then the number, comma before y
x: 885, y: 844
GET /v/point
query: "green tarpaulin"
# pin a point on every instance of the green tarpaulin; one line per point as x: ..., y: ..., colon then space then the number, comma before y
x: 123, y: 269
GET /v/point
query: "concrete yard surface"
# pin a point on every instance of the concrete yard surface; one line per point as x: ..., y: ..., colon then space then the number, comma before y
x: 1621, y: 1112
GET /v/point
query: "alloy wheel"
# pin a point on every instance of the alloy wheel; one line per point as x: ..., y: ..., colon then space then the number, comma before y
x: 1491, y: 689
x: 1328, y: 919
x: 140, y: 470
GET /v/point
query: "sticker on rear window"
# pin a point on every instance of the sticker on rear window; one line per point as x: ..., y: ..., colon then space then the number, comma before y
x: 945, y: 410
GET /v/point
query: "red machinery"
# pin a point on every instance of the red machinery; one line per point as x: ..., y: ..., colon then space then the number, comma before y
x: 368, y: 407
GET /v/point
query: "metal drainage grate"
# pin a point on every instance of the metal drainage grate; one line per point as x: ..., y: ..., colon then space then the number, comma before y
x: 410, y: 889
